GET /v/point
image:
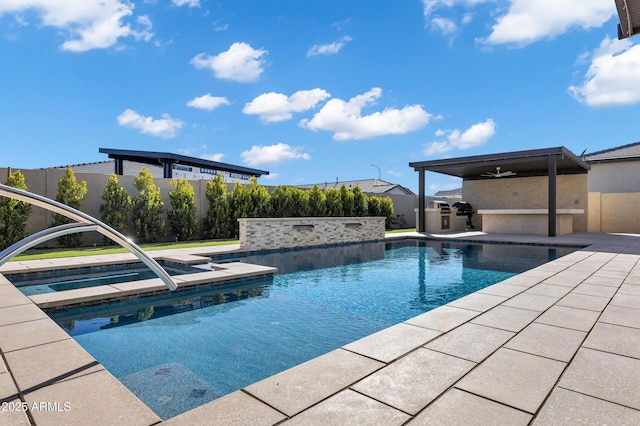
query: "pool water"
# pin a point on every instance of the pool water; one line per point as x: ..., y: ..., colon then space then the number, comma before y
x: 32, y: 283
x: 182, y: 350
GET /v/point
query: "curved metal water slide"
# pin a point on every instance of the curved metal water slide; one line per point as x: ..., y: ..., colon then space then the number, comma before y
x: 84, y: 223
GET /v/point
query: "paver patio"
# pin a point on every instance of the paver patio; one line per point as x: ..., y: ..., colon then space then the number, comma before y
x: 559, y: 344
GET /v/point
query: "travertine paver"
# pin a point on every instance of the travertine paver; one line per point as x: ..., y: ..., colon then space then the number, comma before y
x: 629, y: 289
x: 504, y: 290
x: 620, y: 315
x: 30, y: 333
x: 567, y: 408
x: 410, y: 383
x: 506, y: 318
x: 235, y: 409
x: 7, y: 386
x: 63, y: 359
x: 350, y: 408
x: 443, y: 319
x: 595, y: 290
x: 392, y: 342
x: 611, y: 377
x: 457, y: 407
x: 93, y: 399
x: 615, y: 339
x: 563, y: 316
x: 20, y: 313
x: 514, y: 378
x: 544, y: 289
x: 533, y: 302
x: 302, y: 386
x: 477, y: 302
x: 548, y: 341
x: 471, y: 341
x: 583, y: 301
x: 11, y: 416
x: 11, y: 296
x: 529, y: 280
x: 626, y: 300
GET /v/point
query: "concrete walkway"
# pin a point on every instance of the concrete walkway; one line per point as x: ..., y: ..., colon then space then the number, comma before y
x: 558, y: 344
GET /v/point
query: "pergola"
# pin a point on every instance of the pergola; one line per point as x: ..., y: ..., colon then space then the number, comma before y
x: 549, y: 162
x: 167, y: 160
x: 629, y: 14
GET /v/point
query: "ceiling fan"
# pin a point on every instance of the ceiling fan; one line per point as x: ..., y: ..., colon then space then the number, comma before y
x: 498, y: 174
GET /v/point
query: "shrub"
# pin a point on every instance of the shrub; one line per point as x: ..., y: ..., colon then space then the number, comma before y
x: 240, y: 204
x: 14, y: 214
x: 317, y: 202
x: 334, y: 202
x: 183, y: 219
x: 280, y: 202
x: 386, y: 210
x: 373, y: 206
x: 259, y: 199
x: 359, y: 202
x: 346, y: 197
x: 148, y: 209
x: 117, y: 206
x: 217, y: 223
x: 70, y: 192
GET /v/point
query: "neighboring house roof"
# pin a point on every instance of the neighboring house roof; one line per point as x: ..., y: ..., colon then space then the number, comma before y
x: 368, y: 186
x: 453, y: 193
x: 107, y: 167
x: 619, y: 153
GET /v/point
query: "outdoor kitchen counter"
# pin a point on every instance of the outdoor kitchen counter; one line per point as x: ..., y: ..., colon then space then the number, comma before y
x: 526, y: 221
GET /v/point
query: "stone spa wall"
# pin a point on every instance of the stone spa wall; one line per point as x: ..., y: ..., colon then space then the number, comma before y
x: 276, y: 233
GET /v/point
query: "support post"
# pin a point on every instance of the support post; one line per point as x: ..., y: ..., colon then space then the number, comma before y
x: 553, y: 173
x: 420, y: 225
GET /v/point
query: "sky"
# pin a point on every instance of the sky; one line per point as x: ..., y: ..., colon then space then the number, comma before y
x: 313, y: 91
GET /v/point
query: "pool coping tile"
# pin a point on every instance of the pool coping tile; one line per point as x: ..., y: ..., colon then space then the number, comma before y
x: 443, y: 318
x: 306, y: 384
x: 234, y: 409
x: 392, y: 342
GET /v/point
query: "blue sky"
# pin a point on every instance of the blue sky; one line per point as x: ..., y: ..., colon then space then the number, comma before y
x: 313, y: 91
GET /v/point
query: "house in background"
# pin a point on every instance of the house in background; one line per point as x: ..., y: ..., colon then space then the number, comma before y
x: 368, y: 186
x: 614, y: 189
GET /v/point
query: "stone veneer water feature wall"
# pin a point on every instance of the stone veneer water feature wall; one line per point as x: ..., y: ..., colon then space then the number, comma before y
x: 276, y: 233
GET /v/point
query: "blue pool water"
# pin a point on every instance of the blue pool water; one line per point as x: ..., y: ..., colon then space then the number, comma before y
x: 32, y: 283
x: 179, y: 351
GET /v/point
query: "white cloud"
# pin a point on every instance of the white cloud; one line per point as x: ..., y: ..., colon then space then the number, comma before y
x: 527, y: 21
x: 613, y: 77
x: 394, y: 173
x: 328, y: 49
x: 270, y: 176
x: 444, y: 25
x: 240, y: 63
x: 212, y: 157
x: 190, y: 3
x: 476, y: 135
x: 273, y: 107
x: 208, y: 102
x: 522, y: 22
x: 86, y: 24
x: 273, y: 155
x: 345, y: 119
x: 165, y: 127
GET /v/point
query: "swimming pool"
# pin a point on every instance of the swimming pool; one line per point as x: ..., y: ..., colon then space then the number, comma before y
x: 41, y: 282
x: 179, y: 351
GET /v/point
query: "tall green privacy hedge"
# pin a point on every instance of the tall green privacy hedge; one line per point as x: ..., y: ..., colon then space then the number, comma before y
x: 253, y: 200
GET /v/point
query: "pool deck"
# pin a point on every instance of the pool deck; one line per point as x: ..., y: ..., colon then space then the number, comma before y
x: 558, y: 344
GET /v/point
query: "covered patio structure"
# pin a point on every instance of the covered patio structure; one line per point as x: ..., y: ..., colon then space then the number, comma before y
x: 549, y: 162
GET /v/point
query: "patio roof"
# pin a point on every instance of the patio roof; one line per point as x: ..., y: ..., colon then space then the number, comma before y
x: 629, y: 14
x: 524, y: 163
x: 167, y: 159
x: 537, y: 162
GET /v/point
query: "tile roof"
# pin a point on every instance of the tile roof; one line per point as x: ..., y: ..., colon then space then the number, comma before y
x: 624, y: 152
x: 369, y: 186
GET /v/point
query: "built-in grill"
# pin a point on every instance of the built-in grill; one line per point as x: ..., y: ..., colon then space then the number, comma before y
x: 441, y: 205
x: 462, y: 208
